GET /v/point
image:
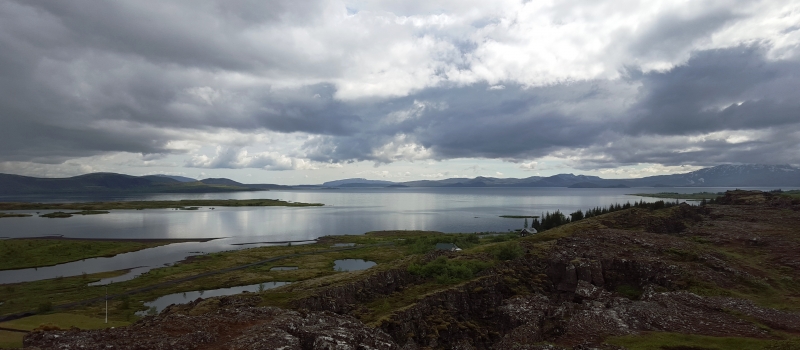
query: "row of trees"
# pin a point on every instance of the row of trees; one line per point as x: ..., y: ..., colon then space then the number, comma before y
x: 550, y: 220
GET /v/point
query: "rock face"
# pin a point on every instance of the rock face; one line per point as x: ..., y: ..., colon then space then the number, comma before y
x: 639, y: 271
x: 343, y: 299
x: 226, y: 323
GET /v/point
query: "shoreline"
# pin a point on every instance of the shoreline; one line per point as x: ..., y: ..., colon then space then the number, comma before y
x: 138, y: 240
x: 152, y: 242
x: 142, y: 205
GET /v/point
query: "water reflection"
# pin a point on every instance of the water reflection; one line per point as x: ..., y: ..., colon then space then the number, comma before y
x: 153, y: 258
x: 186, y: 297
x: 345, y: 265
x: 352, y: 211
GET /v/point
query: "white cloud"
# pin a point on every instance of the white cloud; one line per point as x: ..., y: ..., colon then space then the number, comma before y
x: 233, y: 158
x: 528, y: 166
x: 400, y: 149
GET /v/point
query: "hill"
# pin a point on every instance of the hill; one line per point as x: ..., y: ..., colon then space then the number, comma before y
x: 110, y: 183
x: 748, y: 175
x: 357, y: 182
x: 179, y: 178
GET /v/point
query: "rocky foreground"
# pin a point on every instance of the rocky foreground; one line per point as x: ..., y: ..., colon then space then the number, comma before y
x: 723, y: 270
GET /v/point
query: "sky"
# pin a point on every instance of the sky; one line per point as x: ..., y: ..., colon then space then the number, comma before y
x: 302, y: 92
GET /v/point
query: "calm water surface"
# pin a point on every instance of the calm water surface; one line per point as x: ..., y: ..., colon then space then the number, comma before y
x: 346, y: 212
x: 345, y: 265
x: 183, y: 298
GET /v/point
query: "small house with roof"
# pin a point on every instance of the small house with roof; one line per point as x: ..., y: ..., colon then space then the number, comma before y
x: 450, y: 247
x: 527, y: 231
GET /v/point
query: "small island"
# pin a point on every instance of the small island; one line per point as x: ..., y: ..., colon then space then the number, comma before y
x: 61, y: 214
x: 14, y: 215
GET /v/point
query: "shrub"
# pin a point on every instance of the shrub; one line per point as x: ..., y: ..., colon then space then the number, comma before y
x: 45, y: 307
x: 629, y: 291
x: 125, y: 303
x: 508, y: 251
x: 447, y: 271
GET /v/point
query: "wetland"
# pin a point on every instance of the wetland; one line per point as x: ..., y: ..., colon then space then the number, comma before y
x: 499, y: 271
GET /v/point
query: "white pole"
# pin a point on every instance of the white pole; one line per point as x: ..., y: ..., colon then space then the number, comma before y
x: 106, y: 304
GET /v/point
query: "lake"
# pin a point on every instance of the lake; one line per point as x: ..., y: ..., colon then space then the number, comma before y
x: 346, y: 212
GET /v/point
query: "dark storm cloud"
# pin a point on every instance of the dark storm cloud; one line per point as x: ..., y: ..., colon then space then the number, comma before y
x: 730, y: 89
x: 190, y: 33
x: 475, y: 121
x: 672, y: 33
x: 80, y: 78
x: 736, y: 89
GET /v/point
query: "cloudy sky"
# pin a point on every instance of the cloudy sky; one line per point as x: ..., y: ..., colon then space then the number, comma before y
x: 308, y: 91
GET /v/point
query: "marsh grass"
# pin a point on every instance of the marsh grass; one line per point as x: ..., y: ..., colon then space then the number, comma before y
x: 31, y: 296
x: 62, y: 320
x: 27, y: 253
x: 10, y: 340
x: 449, y: 271
x: 13, y: 340
x: 662, y: 341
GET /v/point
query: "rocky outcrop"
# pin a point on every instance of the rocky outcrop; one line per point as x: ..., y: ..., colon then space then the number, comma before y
x: 345, y: 298
x: 601, y: 315
x: 226, y: 323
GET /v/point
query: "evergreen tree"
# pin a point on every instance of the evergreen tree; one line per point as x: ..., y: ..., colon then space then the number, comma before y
x: 526, y: 223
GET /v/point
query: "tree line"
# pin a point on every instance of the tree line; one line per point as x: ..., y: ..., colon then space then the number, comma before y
x: 551, y: 220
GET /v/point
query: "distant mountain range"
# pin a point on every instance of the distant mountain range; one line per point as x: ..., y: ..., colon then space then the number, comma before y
x: 357, y: 182
x: 753, y: 175
x: 750, y: 175
x: 120, y: 183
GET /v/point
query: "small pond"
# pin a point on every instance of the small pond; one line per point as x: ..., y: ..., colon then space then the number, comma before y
x: 340, y: 245
x: 352, y: 264
x: 183, y: 298
x: 283, y: 268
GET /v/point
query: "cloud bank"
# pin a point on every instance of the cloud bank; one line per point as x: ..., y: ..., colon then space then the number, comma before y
x: 285, y: 85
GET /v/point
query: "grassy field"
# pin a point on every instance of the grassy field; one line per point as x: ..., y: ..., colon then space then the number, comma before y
x: 660, y: 341
x: 140, y: 205
x: 61, y: 320
x: 792, y: 193
x: 26, y: 253
x: 674, y: 195
x: 387, y: 248
x: 10, y: 340
x: 13, y: 340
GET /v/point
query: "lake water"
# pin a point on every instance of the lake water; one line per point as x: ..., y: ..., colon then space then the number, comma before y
x: 182, y: 298
x: 346, y: 265
x: 346, y: 212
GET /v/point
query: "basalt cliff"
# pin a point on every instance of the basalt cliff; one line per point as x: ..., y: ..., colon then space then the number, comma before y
x: 727, y: 270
